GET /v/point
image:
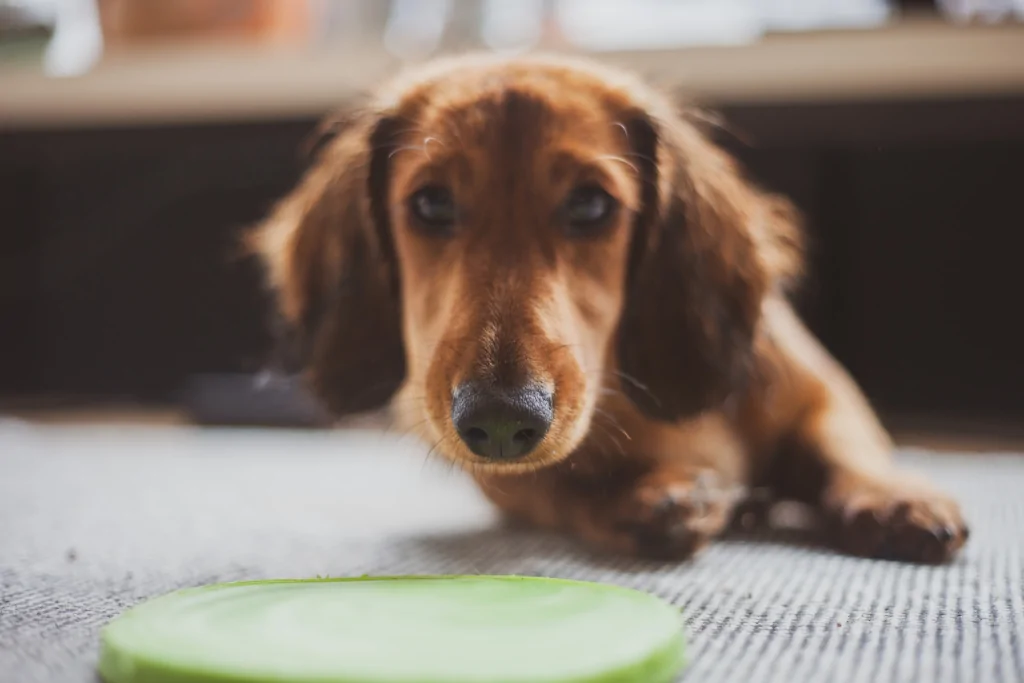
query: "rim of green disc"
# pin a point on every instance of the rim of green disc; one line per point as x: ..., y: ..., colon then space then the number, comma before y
x: 663, y: 664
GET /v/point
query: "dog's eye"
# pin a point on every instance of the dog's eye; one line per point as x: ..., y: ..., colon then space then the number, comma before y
x: 588, y: 208
x: 434, y: 207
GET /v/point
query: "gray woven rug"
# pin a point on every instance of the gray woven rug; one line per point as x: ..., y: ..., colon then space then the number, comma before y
x: 93, y: 520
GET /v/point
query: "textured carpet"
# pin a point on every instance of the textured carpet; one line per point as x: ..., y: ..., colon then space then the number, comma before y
x: 93, y: 520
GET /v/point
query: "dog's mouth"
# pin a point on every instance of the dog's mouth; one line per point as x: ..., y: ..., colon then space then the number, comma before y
x: 507, y: 430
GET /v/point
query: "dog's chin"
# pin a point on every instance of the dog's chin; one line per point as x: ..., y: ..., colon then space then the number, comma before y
x: 555, y: 448
x: 466, y: 460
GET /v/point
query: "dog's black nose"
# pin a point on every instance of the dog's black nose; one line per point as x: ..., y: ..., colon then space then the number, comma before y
x: 499, y: 423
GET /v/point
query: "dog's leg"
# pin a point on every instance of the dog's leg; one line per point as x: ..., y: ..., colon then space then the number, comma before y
x: 663, y: 514
x: 664, y: 508
x: 839, y: 457
x: 672, y: 512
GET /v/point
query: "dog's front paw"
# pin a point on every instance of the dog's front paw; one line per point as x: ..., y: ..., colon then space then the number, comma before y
x: 900, y: 519
x: 671, y: 516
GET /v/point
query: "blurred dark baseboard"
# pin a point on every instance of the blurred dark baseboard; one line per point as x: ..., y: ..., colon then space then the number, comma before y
x: 938, y: 432
x: 206, y: 399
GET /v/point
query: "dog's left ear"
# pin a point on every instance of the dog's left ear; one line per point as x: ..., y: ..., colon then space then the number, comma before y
x: 327, y: 252
x: 707, y: 249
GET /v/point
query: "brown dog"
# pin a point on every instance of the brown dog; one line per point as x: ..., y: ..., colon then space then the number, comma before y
x: 556, y: 279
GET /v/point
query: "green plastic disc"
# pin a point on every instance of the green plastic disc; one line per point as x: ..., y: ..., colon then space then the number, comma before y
x: 458, y: 629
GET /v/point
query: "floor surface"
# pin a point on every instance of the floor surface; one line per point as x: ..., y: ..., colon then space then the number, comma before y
x: 95, y: 518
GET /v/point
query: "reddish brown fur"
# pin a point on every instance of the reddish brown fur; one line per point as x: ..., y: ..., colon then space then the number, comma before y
x: 682, y: 376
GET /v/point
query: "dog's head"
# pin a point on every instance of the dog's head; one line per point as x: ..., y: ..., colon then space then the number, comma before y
x: 504, y: 242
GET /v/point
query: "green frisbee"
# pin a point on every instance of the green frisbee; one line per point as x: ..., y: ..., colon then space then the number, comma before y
x: 457, y: 629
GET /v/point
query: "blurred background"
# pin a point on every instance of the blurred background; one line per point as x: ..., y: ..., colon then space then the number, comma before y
x: 138, y: 137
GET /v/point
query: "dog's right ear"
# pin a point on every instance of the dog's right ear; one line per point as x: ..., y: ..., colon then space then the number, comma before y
x: 708, y: 248
x: 329, y: 261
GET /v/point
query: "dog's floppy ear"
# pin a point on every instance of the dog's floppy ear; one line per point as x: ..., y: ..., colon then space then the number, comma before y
x: 329, y: 260
x: 707, y: 248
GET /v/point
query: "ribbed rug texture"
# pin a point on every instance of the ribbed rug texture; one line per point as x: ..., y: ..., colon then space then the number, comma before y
x: 96, y: 519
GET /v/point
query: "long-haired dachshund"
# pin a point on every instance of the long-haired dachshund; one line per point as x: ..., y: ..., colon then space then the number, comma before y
x: 549, y: 272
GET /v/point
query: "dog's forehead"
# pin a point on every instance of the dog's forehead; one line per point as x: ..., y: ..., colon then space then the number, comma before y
x: 528, y: 103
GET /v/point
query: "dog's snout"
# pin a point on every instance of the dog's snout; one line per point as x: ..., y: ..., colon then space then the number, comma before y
x: 499, y: 423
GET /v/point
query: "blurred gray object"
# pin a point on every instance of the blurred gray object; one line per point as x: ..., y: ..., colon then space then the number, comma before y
x: 263, y: 399
x: 66, y: 34
x: 816, y: 15
x: 25, y: 29
x: 513, y: 25
x: 982, y: 10
x: 18, y: 15
x: 664, y: 24
x: 604, y: 25
x: 77, y: 43
x: 416, y: 29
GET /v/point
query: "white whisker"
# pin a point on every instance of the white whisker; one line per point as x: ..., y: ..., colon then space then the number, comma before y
x: 406, y: 148
x: 622, y: 160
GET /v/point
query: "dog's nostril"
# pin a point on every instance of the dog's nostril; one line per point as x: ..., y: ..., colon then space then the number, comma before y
x: 476, y: 434
x: 525, y: 435
x: 499, y: 423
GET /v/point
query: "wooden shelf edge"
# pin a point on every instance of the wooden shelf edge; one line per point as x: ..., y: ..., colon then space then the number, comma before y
x: 237, y: 82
